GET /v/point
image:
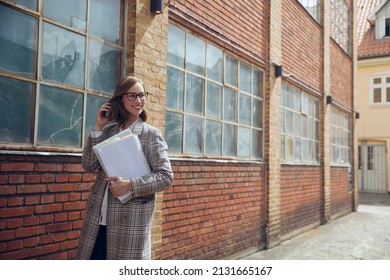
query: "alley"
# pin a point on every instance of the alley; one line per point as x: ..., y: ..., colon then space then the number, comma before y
x: 362, y: 235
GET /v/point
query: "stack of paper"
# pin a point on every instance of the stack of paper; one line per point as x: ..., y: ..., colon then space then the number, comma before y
x: 121, y: 155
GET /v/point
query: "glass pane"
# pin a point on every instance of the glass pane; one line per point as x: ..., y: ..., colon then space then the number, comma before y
x: 93, y: 105
x: 231, y: 71
x: 257, y: 113
x: 297, y: 149
x: 174, y: 132
x: 213, y: 138
x: 257, y: 143
x: 214, y: 63
x: 18, y: 43
x: 304, y: 127
x: 230, y: 105
x: 288, y: 97
x: 104, y: 67
x: 282, y: 147
x: 245, y: 78
x: 297, y: 100
x: 60, y: 117
x: 31, y: 4
x: 214, y: 100
x: 16, y: 101
x: 196, y: 52
x: 194, y: 94
x: 244, y: 142
x: 176, y: 46
x: 305, y: 104
x: 229, y: 140
x: 283, y: 95
x: 71, y: 12
x: 377, y: 95
x: 388, y: 78
x: 289, y: 147
x: 245, y: 109
x: 63, y: 56
x: 258, y: 82
x: 282, y: 120
x: 105, y: 19
x: 193, y: 135
x: 175, y: 88
x: 289, y: 122
x: 297, y: 124
x: 388, y: 94
x: 377, y: 80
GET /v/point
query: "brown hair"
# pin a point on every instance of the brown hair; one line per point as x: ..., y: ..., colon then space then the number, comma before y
x: 118, y: 111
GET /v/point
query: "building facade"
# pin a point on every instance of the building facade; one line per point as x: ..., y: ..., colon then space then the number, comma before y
x: 373, y: 91
x: 255, y: 99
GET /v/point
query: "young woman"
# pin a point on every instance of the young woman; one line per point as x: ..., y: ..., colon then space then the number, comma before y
x: 121, y: 230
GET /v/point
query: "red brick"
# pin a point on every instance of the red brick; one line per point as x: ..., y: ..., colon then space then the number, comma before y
x: 49, y: 208
x: 29, y: 231
x: 30, y: 221
x: 32, y: 200
x: 59, y: 227
x: 14, y: 245
x: 16, y: 167
x: 18, y: 211
x: 62, y: 178
x: 14, y: 223
x: 47, y: 199
x: 48, y: 178
x: 78, y: 205
x: 33, y: 179
x: 48, y: 167
x: 35, y: 188
x: 16, y: 179
x: 73, y: 168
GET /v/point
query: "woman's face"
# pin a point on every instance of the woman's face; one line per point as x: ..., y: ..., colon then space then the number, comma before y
x: 136, y: 106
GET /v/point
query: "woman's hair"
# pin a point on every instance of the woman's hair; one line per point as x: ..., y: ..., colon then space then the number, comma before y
x: 118, y: 111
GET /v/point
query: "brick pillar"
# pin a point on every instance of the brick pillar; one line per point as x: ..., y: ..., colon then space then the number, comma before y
x: 325, y: 119
x: 146, y: 58
x: 272, y: 114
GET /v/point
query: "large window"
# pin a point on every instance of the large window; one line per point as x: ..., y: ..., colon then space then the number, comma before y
x: 341, y: 23
x: 214, y: 100
x: 380, y: 89
x: 299, y: 126
x: 58, y: 64
x: 313, y: 7
x: 340, y: 137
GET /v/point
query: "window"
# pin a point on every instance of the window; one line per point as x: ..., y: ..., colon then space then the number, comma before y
x: 299, y: 126
x: 380, y: 89
x: 340, y: 137
x: 387, y: 27
x: 214, y: 100
x: 51, y: 88
x: 313, y: 7
x: 341, y: 24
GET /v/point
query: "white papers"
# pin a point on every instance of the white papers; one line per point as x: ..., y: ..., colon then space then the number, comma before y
x: 121, y: 155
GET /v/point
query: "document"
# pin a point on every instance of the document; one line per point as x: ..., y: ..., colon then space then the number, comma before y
x: 121, y: 155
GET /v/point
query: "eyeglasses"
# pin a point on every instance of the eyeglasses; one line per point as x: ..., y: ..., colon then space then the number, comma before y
x: 131, y: 96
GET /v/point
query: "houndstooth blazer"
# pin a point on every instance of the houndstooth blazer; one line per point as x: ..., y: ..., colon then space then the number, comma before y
x: 128, y: 225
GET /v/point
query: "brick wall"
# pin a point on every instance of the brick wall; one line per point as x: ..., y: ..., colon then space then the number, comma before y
x: 341, y: 197
x: 41, y: 206
x: 214, y: 210
x: 301, y: 197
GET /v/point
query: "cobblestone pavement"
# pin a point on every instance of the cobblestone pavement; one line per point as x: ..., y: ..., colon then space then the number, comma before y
x: 362, y: 235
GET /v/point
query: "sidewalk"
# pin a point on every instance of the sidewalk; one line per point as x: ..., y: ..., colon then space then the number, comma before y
x: 362, y: 235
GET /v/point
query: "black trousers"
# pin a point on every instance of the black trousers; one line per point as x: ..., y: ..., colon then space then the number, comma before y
x: 100, y: 249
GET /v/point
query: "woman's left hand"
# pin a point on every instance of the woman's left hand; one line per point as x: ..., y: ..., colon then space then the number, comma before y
x: 118, y: 186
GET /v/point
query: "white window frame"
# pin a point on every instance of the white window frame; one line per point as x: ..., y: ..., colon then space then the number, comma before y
x: 340, y: 137
x: 384, y: 86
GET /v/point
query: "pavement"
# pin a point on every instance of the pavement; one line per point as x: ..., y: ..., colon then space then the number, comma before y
x: 360, y: 235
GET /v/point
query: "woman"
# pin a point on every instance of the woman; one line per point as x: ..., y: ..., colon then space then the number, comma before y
x: 121, y: 230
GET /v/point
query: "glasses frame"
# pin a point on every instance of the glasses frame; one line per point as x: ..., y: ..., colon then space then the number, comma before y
x: 137, y: 95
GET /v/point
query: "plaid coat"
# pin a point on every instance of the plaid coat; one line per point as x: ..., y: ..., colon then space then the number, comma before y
x: 128, y: 225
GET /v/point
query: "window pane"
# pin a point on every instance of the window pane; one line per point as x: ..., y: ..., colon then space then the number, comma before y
x: 175, y: 91
x: 377, y: 80
x: 214, y: 100
x: 245, y: 78
x: 377, y: 95
x: 282, y: 120
x: 60, y: 117
x: 195, y: 55
x: 93, y: 105
x: 213, y: 138
x: 16, y: 99
x: 104, y: 67
x: 231, y: 71
x: 245, y: 109
x: 229, y: 140
x: 214, y: 63
x: 289, y: 122
x: 105, y: 21
x: 282, y: 147
x: 194, y: 94
x: 257, y: 113
x: 297, y: 124
x: 297, y: 149
x: 174, y: 132
x: 193, y: 135
x: 18, y: 42
x: 297, y: 100
x: 258, y: 83
x: 289, y: 146
x: 244, y: 142
x: 230, y: 105
x: 176, y: 46
x: 388, y: 94
x: 71, y: 12
x: 257, y: 143
x: 289, y: 97
x: 63, y: 56
x: 31, y: 4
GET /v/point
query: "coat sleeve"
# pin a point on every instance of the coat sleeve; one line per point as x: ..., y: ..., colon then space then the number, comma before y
x: 161, y: 177
x: 89, y: 160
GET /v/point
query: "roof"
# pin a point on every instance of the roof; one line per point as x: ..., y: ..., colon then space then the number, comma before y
x: 368, y: 47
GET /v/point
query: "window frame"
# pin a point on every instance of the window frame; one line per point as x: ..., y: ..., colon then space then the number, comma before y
x: 384, y: 87
x: 338, y: 134
x: 316, y: 12
x: 39, y: 82
x: 338, y: 20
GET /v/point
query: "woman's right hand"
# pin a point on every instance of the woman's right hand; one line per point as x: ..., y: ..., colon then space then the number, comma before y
x: 101, y: 119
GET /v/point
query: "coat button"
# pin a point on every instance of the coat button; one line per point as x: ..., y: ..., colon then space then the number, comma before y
x: 123, y: 219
